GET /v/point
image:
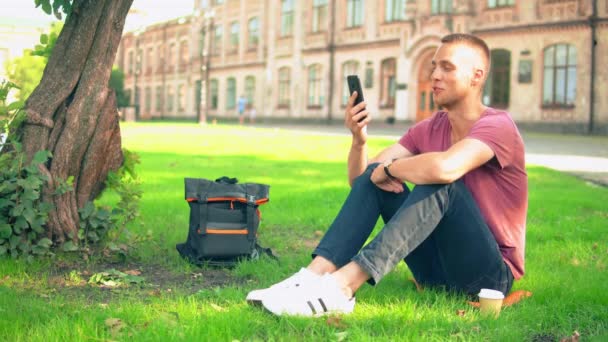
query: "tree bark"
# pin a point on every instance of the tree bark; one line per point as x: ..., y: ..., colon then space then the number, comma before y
x: 73, y: 114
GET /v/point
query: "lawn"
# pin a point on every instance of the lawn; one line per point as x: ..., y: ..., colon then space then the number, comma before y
x: 51, y: 300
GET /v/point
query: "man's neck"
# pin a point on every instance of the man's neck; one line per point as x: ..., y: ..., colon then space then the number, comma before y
x: 463, y: 116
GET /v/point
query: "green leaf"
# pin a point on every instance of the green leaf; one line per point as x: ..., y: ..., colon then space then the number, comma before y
x: 3, y: 250
x: 5, y: 231
x: 45, y: 242
x: 39, y: 250
x: 5, y: 203
x: 93, y: 236
x: 69, y: 246
x: 41, y: 157
x: 19, y: 225
x: 14, y: 241
x: 29, y: 215
x: 44, y: 39
x: 15, y: 105
x: 46, y: 6
x: 87, y: 210
x: 24, y: 247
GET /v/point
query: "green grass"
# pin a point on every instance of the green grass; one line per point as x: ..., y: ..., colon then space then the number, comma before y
x: 566, y: 256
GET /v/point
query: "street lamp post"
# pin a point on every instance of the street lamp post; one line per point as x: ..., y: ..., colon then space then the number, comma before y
x: 205, y: 68
x: 137, y: 71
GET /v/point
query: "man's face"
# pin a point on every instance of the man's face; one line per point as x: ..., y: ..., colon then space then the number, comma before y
x: 458, y: 72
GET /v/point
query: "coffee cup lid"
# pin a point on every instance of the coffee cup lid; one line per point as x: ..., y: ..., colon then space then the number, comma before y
x: 491, y: 294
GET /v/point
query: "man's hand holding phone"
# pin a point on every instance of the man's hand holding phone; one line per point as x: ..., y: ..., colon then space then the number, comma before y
x: 356, y: 116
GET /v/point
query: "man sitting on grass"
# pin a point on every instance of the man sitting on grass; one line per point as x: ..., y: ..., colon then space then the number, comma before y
x: 462, y: 227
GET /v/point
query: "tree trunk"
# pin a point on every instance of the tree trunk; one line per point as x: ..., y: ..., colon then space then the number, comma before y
x: 73, y: 114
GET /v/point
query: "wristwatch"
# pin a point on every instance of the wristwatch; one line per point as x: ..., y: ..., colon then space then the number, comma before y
x: 388, y: 164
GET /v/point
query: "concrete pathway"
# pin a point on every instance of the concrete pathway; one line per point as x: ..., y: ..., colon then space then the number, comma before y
x: 583, y: 156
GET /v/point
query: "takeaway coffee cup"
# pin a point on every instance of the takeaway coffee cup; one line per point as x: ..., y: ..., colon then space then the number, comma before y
x: 490, y: 302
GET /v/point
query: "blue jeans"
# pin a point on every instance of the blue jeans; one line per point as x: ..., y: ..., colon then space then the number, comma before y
x: 437, y: 229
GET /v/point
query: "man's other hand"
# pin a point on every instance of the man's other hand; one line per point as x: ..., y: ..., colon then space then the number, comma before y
x: 384, y: 182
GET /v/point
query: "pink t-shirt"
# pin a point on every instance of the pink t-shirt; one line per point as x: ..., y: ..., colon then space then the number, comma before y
x: 500, y: 186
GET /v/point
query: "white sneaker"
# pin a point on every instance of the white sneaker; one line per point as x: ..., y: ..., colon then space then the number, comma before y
x: 256, y: 297
x: 312, y: 298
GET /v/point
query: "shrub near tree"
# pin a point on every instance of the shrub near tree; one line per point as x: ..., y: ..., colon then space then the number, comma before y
x: 64, y: 141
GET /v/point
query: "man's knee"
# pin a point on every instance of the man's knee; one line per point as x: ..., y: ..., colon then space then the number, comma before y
x: 365, y: 178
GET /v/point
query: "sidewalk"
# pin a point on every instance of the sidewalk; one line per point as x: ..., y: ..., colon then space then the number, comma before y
x: 582, y: 156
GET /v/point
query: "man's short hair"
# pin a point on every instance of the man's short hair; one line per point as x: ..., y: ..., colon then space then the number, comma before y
x: 470, y: 40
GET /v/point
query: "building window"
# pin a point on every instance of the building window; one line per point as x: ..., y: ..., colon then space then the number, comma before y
x: 217, y: 40
x: 254, y: 33
x: 234, y: 36
x: 149, y: 61
x: 369, y: 75
x: 250, y: 89
x: 286, y: 18
x: 559, y: 76
x: 500, y: 3
x: 181, y: 98
x: 354, y: 13
x: 441, y: 7
x: 388, y: 85
x: 159, y: 98
x: 498, y: 84
x: 159, y: 58
x: 213, y: 93
x: 315, y: 86
x: 394, y: 10
x: 319, y: 15
x: 284, y: 86
x: 172, y: 55
x: 231, y: 93
x: 147, y: 99
x: 348, y: 68
x: 130, y: 62
x: 183, y: 55
x: 170, y: 95
x: 139, y: 61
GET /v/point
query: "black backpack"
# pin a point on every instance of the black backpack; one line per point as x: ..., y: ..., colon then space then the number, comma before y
x: 224, y: 219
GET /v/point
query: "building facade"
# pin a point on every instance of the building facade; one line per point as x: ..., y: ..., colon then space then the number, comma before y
x: 290, y: 59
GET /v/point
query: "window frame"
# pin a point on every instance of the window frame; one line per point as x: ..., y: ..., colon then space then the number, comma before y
x: 387, y: 63
x: 554, y: 104
x: 284, y: 89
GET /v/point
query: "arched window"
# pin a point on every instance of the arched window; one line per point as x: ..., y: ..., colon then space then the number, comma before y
x: 441, y: 7
x: 388, y: 72
x: 250, y: 89
x: 170, y: 92
x: 254, y: 33
x: 287, y: 7
x: 394, y: 10
x: 348, y: 68
x: 213, y: 93
x: 230, y: 93
x: 559, y: 75
x: 217, y: 40
x: 498, y: 84
x: 315, y: 86
x: 181, y: 98
x: 319, y: 15
x: 284, y: 87
x: 354, y: 13
x: 234, y: 37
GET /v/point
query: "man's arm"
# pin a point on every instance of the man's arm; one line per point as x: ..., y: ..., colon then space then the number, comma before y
x: 437, y: 167
x: 357, y: 158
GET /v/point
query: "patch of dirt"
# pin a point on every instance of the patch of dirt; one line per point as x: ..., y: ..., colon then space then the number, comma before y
x: 71, y: 279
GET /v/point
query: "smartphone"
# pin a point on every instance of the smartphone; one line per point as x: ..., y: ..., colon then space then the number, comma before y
x: 355, y: 85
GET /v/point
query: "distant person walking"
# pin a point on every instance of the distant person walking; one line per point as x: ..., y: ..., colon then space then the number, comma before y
x: 241, y: 104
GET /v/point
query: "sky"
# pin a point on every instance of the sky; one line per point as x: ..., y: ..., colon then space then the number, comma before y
x: 143, y: 12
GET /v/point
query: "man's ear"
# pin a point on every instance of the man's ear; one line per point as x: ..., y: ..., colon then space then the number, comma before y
x: 478, y: 77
